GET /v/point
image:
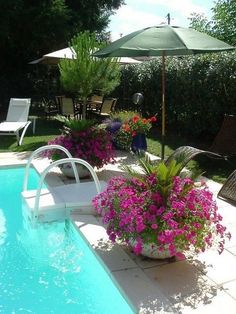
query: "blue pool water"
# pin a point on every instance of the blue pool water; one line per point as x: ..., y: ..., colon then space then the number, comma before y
x: 49, y: 269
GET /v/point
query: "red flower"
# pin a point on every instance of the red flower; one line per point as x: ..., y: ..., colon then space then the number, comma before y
x: 135, y: 119
x: 138, y: 124
x: 126, y: 127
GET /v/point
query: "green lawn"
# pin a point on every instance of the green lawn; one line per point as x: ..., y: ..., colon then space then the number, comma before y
x: 216, y: 169
x: 46, y: 130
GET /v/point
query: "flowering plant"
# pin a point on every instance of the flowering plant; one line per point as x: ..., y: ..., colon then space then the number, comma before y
x: 86, y: 141
x: 138, y: 124
x: 125, y: 125
x: 159, y: 207
x: 122, y: 139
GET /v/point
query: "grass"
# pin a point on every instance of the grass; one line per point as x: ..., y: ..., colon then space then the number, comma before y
x: 215, y: 169
x: 46, y: 130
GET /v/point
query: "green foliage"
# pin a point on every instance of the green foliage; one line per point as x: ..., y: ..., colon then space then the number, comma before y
x: 79, y: 125
x: 124, y: 115
x: 123, y: 139
x: 86, y: 74
x: 224, y: 27
x: 199, y: 91
x: 164, y: 173
x: 200, y: 22
x: 223, y: 23
x: 30, y: 29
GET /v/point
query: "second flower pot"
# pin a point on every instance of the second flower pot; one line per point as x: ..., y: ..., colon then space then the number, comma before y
x: 139, y: 143
x: 67, y: 170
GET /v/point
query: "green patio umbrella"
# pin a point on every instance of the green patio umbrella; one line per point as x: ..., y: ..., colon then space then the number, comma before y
x: 163, y: 40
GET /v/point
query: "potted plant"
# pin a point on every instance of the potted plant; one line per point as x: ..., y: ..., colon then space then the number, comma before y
x: 159, y: 213
x: 139, y: 128
x: 84, y: 140
x: 129, y: 130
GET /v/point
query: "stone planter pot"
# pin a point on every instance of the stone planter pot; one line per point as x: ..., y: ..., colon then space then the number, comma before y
x: 151, y: 250
x: 67, y: 170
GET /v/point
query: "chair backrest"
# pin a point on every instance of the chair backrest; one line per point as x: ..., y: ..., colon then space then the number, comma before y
x: 96, y: 98
x: 18, y: 110
x: 228, y: 190
x: 50, y: 105
x: 67, y: 106
x: 225, y: 141
x: 184, y: 154
x: 107, y: 105
x: 59, y: 100
x: 114, y: 104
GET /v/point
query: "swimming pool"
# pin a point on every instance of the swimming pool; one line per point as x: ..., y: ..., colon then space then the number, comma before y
x: 49, y: 269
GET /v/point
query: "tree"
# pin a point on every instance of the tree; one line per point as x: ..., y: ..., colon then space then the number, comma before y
x: 223, y: 23
x: 224, y: 20
x: 86, y: 74
x: 200, y: 23
x: 29, y: 29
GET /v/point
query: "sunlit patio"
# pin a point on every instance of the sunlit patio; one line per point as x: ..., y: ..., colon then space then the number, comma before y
x: 204, y: 283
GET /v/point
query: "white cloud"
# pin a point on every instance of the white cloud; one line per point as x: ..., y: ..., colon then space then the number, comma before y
x: 129, y: 19
x: 138, y: 14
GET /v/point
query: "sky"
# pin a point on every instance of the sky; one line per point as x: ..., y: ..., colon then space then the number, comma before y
x: 138, y: 14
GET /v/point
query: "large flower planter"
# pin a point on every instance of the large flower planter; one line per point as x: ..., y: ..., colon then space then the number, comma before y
x: 139, y: 143
x: 152, y: 250
x: 158, y: 212
x: 67, y: 170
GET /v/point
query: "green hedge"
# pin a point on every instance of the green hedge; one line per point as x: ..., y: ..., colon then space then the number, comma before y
x: 199, y: 90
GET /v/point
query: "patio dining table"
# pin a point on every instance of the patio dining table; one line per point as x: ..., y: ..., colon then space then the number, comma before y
x: 94, y: 104
x: 91, y: 106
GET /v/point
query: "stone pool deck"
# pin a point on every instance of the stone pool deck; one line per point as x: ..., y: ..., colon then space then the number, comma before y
x: 203, y: 283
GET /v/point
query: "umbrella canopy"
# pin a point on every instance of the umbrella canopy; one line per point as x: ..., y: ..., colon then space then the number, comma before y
x: 54, y: 58
x: 163, y: 40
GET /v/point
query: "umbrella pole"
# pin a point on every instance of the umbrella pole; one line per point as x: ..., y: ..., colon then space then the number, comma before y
x: 163, y: 109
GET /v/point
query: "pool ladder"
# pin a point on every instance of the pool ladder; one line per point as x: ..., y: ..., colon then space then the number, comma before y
x: 37, y: 213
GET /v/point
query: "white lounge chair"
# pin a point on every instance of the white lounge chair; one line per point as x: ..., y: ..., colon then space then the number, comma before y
x: 17, y: 118
x: 56, y: 203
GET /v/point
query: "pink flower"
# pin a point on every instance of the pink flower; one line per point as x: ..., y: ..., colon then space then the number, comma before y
x: 185, y: 217
x: 154, y: 226
x: 137, y: 248
x: 156, y: 197
x: 93, y: 145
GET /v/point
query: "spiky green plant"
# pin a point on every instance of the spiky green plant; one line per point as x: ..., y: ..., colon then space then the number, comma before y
x: 164, y: 173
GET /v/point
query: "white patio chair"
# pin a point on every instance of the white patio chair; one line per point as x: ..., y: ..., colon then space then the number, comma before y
x: 17, y: 118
